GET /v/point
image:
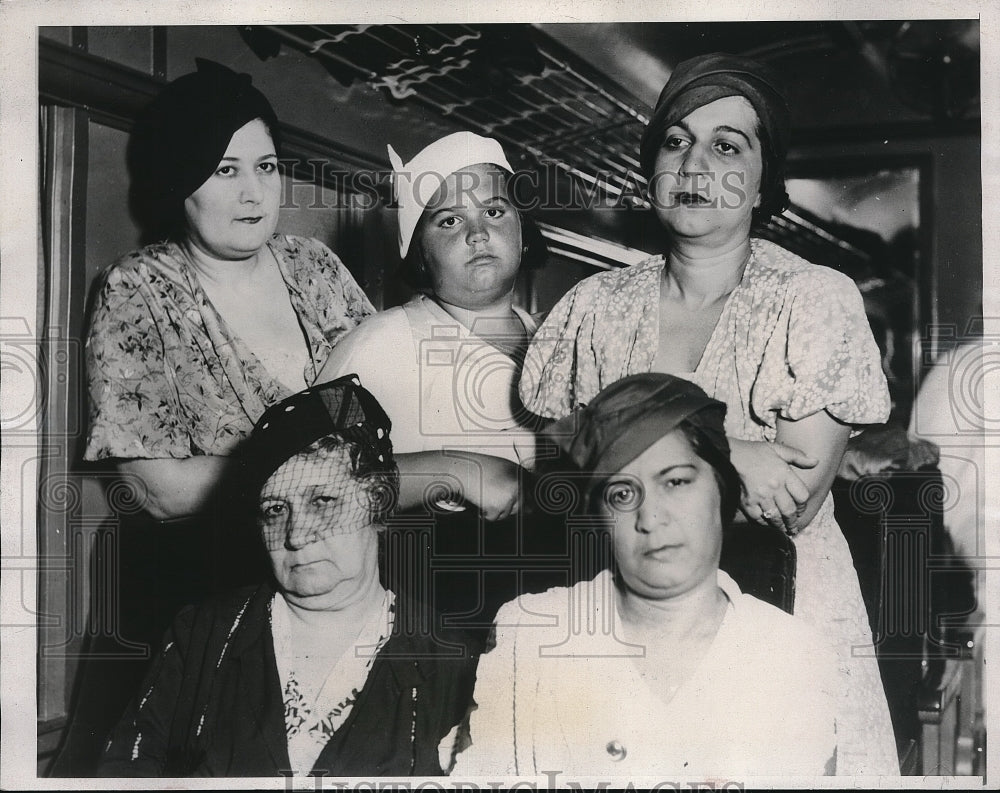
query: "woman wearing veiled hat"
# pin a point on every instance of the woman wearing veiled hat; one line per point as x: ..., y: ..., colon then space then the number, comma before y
x: 784, y: 343
x: 308, y: 671
x: 659, y: 666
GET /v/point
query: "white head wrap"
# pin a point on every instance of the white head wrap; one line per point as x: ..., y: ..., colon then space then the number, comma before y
x: 416, y: 182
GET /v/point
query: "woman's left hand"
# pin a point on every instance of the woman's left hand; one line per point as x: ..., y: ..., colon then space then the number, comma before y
x: 774, y: 492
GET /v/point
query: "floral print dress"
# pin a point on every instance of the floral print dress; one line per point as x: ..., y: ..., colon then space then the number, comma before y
x: 793, y: 339
x: 168, y: 379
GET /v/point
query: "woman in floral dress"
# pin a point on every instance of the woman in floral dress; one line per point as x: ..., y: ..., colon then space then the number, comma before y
x: 784, y: 343
x: 191, y: 338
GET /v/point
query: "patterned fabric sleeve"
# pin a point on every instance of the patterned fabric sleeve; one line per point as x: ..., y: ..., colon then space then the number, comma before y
x: 134, y: 409
x: 561, y: 357
x: 826, y: 359
x: 346, y: 304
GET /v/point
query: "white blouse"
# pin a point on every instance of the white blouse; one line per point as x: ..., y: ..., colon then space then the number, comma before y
x: 560, y: 692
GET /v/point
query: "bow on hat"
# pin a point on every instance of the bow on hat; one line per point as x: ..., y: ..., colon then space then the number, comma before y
x: 342, y: 406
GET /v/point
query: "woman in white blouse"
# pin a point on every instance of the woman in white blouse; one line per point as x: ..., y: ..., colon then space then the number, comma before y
x: 659, y: 666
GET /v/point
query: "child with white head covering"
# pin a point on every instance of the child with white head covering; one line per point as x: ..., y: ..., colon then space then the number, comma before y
x: 445, y: 365
x: 416, y: 183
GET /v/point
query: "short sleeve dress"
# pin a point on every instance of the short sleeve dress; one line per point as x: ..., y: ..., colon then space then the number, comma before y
x: 167, y: 377
x: 793, y: 339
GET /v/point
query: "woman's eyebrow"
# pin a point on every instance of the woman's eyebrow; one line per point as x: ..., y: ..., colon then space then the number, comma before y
x: 671, y: 468
x: 228, y: 158
x: 720, y: 128
x: 734, y: 130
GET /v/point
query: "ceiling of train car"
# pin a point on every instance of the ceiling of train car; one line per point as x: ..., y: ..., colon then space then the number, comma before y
x: 578, y: 95
x: 511, y: 82
x: 573, y: 99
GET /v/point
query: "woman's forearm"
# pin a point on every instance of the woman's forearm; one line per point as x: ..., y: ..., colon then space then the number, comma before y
x: 787, y: 481
x: 425, y: 476
x: 490, y: 483
x: 824, y: 438
x: 175, y: 488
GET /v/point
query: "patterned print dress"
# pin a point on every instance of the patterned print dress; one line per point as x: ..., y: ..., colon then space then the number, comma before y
x: 793, y: 339
x: 167, y: 377
x: 311, y: 720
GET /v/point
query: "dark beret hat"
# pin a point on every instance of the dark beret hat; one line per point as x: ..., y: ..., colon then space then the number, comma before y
x: 342, y: 406
x: 705, y: 78
x: 632, y: 414
x: 180, y: 137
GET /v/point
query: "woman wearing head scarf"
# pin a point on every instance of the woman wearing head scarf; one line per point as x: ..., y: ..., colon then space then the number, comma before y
x: 311, y: 672
x: 445, y: 364
x: 784, y: 343
x: 659, y: 666
x: 192, y: 337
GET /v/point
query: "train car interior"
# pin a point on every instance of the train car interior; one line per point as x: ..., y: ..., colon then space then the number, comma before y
x: 884, y: 180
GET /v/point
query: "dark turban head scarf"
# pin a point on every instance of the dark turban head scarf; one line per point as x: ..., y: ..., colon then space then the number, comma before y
x: 706, y: 78
x: 341, y: 407
x: 632, y: 414
x: 180, y: 137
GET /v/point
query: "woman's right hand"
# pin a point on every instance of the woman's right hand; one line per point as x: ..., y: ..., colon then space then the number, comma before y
x: 492, y: 484
x: 774, y: 493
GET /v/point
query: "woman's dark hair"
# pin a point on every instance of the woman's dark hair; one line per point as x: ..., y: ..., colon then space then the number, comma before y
x: 726, y: 475
x: 413, y: 269
x: 773, y: 194
x: 180, y: 137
